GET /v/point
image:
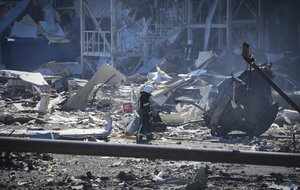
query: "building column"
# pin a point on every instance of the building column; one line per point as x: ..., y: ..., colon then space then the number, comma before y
x: 82, y: 40
x: 229, y: 23
x: 113, y: 10
x: 260, y: 21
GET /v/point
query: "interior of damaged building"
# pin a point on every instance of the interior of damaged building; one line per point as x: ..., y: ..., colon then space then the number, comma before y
x: 221, y: 78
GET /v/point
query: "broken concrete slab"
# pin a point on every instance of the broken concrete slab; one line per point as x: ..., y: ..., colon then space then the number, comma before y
x: 33, y: 78
x: 9, y: 119
x: 59, y: 119
x: 287, y: 117
x: 74, y: 85
x: 20, y: 107
x: 75, y: 133
x: 105, y: 74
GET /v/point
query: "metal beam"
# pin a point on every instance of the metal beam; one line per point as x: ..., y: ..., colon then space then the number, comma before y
x: 260, y: 21
x: 82, y: 39
x: 204, y: 26
x: 96, y: 23
x: 113, y: 11
x: 251, y: 61
x: 209, y: 19
x: 149, y: 151
x: 229, y: 23
x: 234, y: 24
x: 189, y: 17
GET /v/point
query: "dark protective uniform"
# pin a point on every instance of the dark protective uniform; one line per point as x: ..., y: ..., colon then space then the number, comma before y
x: 146, y: 118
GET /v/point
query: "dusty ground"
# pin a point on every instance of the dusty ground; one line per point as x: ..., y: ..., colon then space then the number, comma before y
x: 52, y: 171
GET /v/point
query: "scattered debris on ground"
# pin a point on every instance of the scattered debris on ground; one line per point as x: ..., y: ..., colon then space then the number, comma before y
x: 103, y: 109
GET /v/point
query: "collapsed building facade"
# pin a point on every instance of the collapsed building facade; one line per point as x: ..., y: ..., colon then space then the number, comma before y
x: 73, y: 70
x: 144, y: 32
x: 136, y: 37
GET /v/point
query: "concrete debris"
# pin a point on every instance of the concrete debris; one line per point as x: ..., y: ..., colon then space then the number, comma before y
x: 283, y: 186
x: 287, y: 117
x: 9, y: 119
x: 32, y: 78
x: 105, y: 75
x: 173, y: 105
x: 186, y: 108
x: 211, y: 101
x: 222, y: 107
x: 33, y: 132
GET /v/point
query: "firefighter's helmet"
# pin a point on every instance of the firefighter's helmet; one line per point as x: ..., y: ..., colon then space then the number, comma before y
x: 148, y: 88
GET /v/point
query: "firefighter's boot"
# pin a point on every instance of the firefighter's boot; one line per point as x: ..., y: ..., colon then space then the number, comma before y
x: 150, y: 137
x: 140, y: 138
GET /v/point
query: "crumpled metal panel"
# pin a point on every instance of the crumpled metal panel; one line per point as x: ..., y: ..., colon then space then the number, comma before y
x: 244, y: 104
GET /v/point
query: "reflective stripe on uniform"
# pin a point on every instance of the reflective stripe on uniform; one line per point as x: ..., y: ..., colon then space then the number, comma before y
x: 138, y: 134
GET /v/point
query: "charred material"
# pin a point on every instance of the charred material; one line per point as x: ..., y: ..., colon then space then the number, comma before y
x: 244, y: 103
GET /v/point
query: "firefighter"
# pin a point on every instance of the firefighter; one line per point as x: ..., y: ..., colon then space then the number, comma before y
x: 144, y: 132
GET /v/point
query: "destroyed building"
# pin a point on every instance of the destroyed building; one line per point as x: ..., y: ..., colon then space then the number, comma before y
x: 226, y: 94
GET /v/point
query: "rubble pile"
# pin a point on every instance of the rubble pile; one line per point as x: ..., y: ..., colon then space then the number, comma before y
x: 104, y: 109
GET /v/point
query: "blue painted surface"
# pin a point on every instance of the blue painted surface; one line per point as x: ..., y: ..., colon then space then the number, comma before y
x: 13, y: 14
x: 29, y: 54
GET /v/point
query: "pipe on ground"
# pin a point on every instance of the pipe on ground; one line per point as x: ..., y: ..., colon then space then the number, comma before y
x: 148, y: 151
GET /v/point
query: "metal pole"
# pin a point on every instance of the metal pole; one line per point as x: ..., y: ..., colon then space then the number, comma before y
x: 208, y: 22
x: 82, y: 39
x: 246, y: 55
x: 298, y: 22
x: 148, y: 151
x: 260, y: 21
x: 190, y: 18
x: 228, y: 23
x: 113, y: 10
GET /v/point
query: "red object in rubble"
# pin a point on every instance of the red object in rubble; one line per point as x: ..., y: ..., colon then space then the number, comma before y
x: 127, y: 107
